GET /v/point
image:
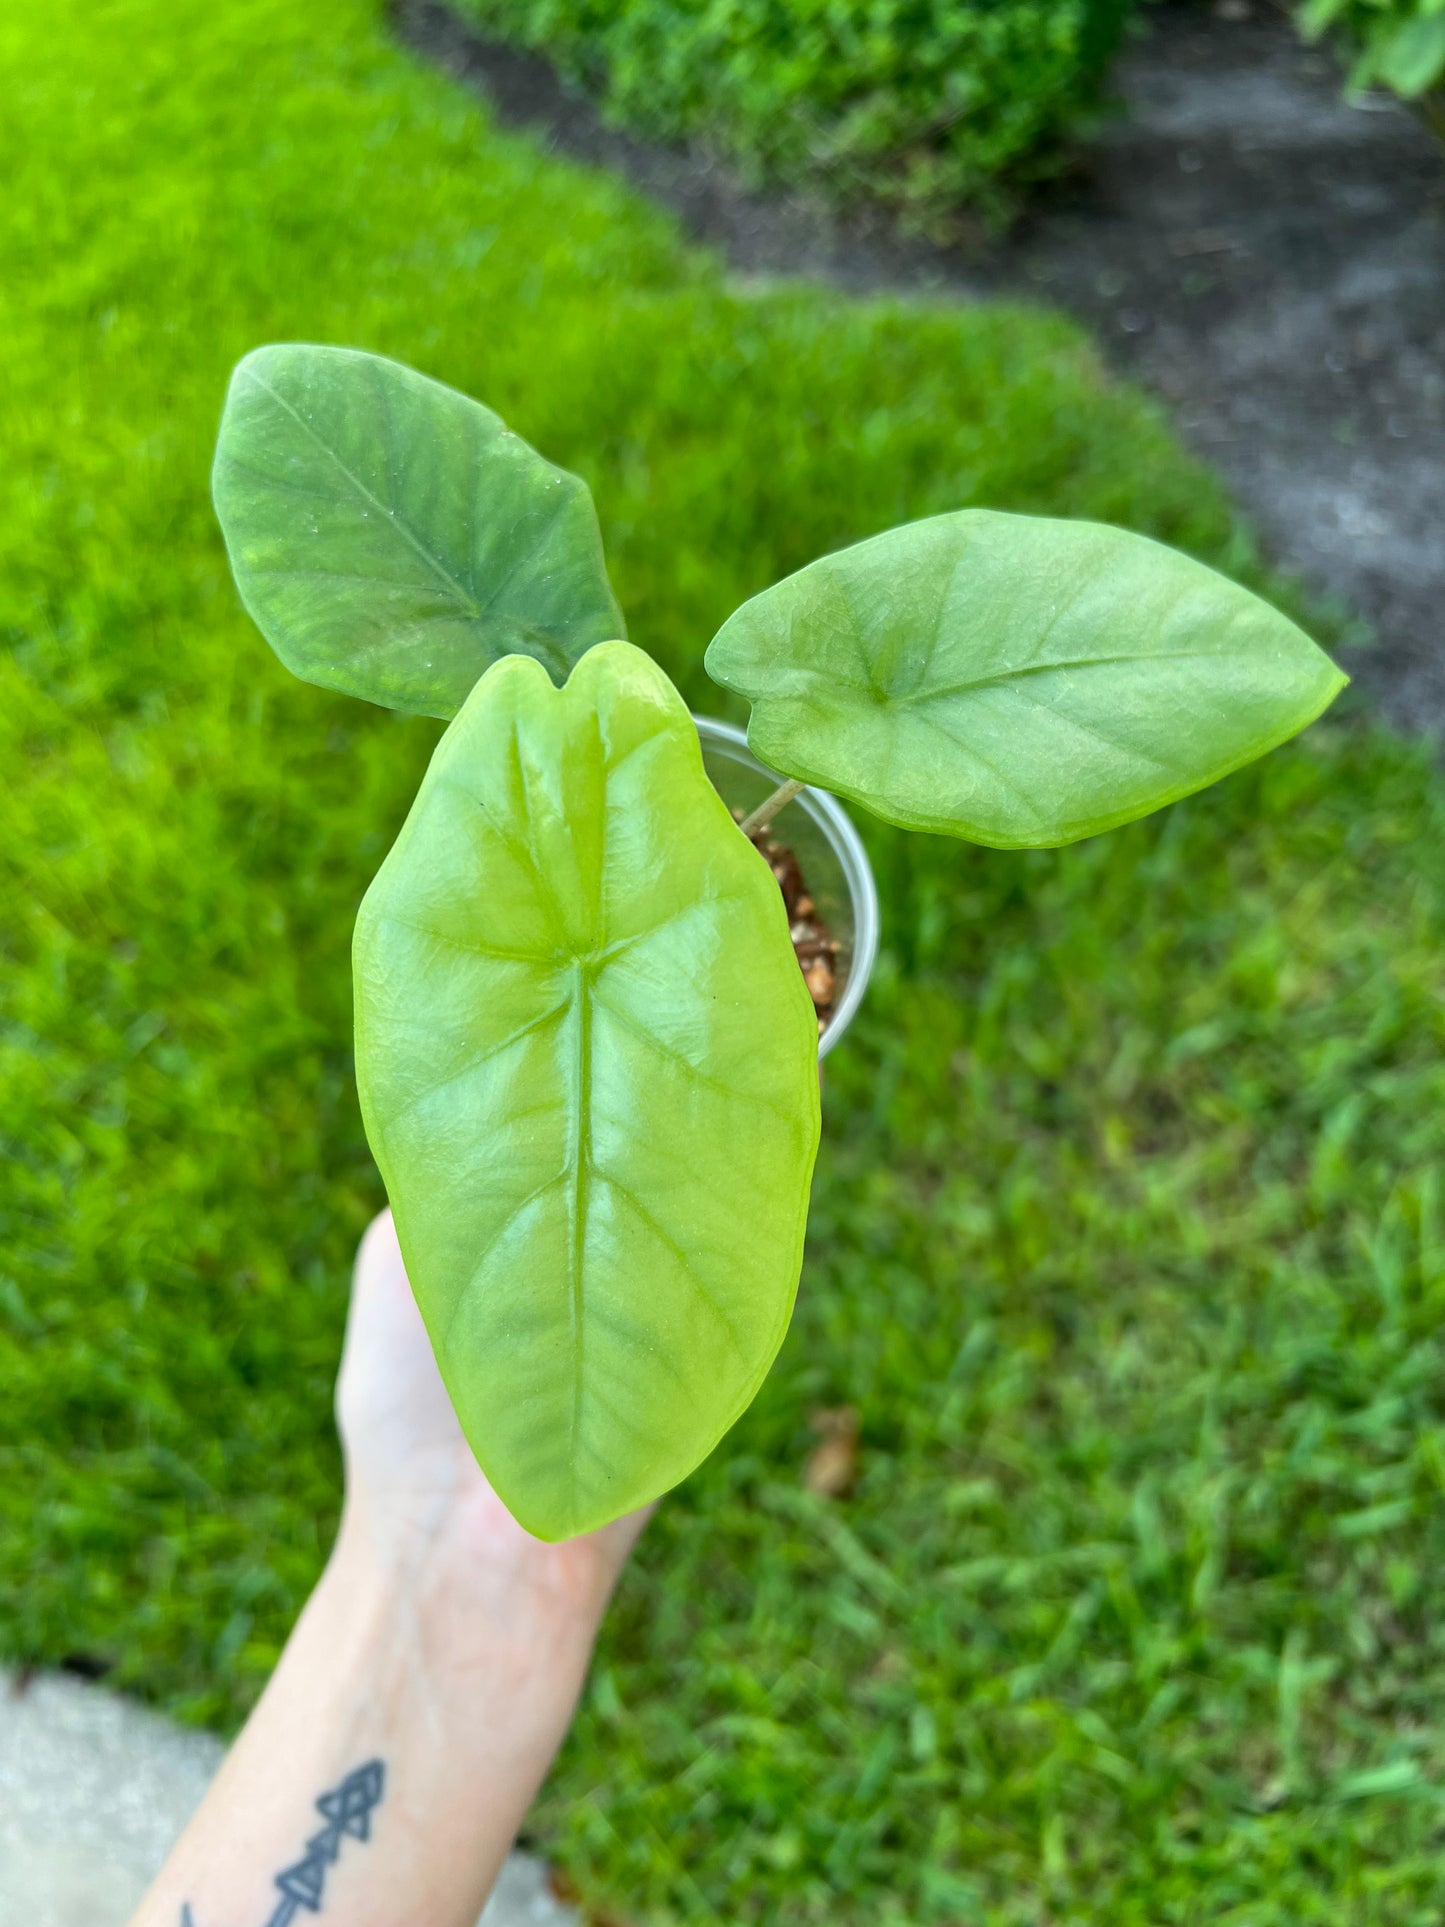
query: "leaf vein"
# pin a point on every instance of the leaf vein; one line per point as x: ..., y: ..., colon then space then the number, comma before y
x: 391, y: 515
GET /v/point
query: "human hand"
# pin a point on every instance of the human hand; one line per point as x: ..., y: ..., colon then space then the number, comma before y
x: 416, y: 1497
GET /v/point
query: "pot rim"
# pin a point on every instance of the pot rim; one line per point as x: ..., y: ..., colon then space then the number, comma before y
x: 837, y: 827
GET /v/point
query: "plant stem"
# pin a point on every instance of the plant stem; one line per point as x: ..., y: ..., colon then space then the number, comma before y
x: 770, y: 805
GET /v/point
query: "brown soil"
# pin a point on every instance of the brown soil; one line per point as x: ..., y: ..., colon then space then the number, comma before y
x: 814, y: 944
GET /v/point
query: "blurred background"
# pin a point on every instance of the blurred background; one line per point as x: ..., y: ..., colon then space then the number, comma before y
x: 1080, y: 1561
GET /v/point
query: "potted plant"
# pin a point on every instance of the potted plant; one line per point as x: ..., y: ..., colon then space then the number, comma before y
x: 586, y: 1052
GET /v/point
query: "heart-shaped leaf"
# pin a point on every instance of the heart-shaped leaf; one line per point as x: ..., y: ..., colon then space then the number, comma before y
x: 392, y: 538
x: 588, y: 1069
x: 1016, y: 681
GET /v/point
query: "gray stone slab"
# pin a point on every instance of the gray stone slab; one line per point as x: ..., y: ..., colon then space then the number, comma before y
x: 94, y: 1789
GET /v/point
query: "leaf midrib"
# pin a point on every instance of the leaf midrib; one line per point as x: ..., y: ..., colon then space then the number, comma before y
x: 999, y: 676
x: 580, y: 1167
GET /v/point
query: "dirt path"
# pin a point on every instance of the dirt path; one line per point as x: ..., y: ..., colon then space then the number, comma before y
x: 1266, y: 258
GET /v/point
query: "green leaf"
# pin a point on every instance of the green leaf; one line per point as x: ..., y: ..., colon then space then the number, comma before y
x: 1015, y: 681
x: 588, y: 1068
x: 1412, y: 59
x: 392, y: 538
x: 1317, y: 16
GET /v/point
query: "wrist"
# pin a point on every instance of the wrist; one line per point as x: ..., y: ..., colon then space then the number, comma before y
x: 428, y: 1603
x: 456, y: 1682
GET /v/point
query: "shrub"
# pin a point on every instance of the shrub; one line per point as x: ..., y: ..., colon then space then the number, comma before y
x: 1401, y: 46
x: 926, y: 103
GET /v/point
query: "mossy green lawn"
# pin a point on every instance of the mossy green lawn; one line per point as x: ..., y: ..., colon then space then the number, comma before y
x: 1127, y: 1238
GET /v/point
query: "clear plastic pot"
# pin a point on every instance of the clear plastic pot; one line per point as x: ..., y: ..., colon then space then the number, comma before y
x: 827, y: 846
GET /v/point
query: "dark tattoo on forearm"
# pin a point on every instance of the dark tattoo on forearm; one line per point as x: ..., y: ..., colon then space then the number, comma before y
x: 347, y: 1811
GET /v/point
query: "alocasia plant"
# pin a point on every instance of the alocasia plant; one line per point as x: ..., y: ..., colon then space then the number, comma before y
x: 586, y: 1056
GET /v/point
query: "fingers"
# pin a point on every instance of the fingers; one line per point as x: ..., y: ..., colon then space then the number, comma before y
x: 378, y: 1253
x: 381, y: 1292
x: 381, y: 1313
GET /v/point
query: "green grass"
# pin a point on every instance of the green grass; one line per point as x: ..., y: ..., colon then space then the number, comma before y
x: 1128, y: 1238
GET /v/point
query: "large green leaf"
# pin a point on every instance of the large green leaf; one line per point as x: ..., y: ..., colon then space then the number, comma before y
x: 393, y: 538
x: 1016, y: 681
x: 588, y: 1069
x: 1412, y: 58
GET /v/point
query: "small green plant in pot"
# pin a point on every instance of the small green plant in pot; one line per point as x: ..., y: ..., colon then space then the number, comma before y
x: 586, y: 1052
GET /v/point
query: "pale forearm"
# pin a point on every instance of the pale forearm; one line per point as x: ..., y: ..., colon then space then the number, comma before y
x: 426, y: 1687
x: 421, y: 1720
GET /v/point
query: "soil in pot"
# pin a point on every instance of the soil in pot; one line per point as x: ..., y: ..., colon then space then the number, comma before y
x: 814, y: 944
